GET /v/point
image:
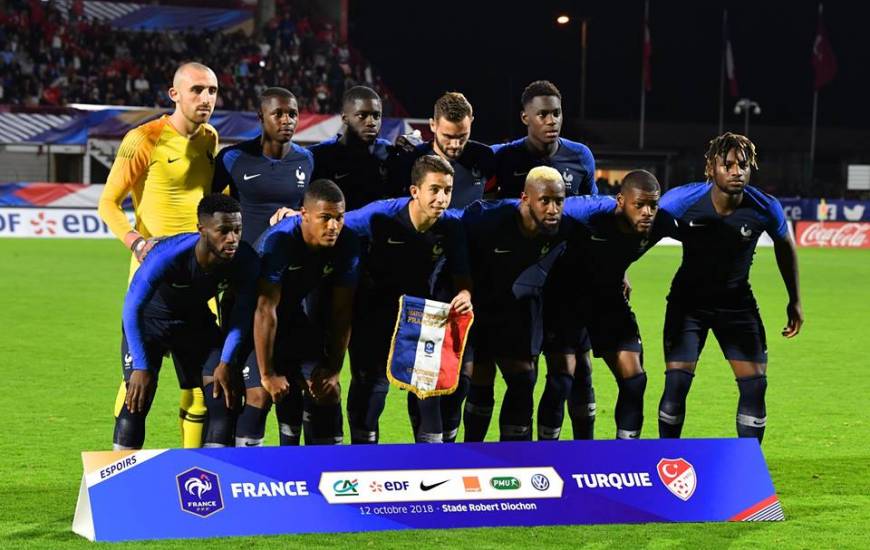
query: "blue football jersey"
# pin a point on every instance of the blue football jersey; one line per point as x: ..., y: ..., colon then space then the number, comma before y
x: 262, y: 184
x: 573, y: 160
x: 361, y: 173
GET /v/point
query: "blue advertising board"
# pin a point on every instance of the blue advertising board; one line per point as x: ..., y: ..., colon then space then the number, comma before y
x: 187, y: 493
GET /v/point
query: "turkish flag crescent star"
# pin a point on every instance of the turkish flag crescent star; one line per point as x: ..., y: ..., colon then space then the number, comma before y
x: 823, y: 59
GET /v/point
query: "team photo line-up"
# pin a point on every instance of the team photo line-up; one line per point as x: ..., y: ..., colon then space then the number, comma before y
x: 259, y: 267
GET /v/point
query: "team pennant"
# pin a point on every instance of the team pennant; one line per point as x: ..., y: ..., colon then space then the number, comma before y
x: 427, y: 347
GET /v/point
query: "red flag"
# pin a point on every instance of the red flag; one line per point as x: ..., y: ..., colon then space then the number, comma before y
x: 823, y: 59
x: 729, y: 62
x: 647, y: 54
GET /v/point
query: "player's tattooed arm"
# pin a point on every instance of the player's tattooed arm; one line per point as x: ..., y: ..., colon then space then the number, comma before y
x: 787, y: 262
x: 265, y: 327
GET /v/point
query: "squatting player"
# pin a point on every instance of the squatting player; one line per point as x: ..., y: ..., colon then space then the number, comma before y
x: 356, y: 160
x: 266, y: 173
x: 166, y: 310
x: 610, y: 236
x: 417, y: 248
x: 473, y: 162
x: 720, y: 222
x: 301, y: 254
x: 167, y: 166
x: 513, y: 243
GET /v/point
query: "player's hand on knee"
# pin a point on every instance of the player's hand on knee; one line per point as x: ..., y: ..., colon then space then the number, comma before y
x: 277, y: 386
x: 462, y: 302
x: 282, y: 213
x: 223, y: 383
x: 795, y: 314
x: 325, y: 387
x: 138, y: 388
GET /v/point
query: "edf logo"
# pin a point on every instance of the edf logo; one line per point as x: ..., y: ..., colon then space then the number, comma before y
x: 396, y: 486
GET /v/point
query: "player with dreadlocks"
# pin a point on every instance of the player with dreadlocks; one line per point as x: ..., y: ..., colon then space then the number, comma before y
x: 719, y: 222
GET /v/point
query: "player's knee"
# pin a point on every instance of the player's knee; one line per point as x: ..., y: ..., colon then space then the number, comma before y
x: 221, y: 422
x: 129, y: 430
x: 752, y: 392
x: 634, y: 387
x: 258, y: 397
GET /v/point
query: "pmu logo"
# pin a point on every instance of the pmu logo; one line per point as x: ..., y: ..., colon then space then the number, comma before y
x: 505, y: 483
x: 199, y: 492
x: 679, y: 477
x: 346, y: 488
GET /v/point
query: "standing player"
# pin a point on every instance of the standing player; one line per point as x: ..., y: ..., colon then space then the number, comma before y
x: 357, y: 159
x: 720, y: 222
x: 542, y: 115
x: 166, y: 310
x: 301, y: 254
x: 167, y: 166
x: 412, y: 243
x: 269, y: 171
x: 473, y: 163
x: 542, y: 146
x: 610, y: 236
x: 513, y: 243
x: 266, y: 173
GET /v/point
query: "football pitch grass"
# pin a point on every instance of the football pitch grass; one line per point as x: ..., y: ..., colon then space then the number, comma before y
x: 59, y: 339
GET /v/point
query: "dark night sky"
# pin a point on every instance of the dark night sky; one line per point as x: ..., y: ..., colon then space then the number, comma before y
x: 491, y: 50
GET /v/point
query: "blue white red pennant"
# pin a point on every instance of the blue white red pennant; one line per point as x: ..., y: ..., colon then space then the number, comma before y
x: 427, y: 347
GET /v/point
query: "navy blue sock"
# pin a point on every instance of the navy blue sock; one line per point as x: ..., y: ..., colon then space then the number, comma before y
x: 451, y: 409
x: 515, y: 418
x: 251, y: 426
x: 321, y: 424
x: 365, y: 404
x: 129, y: 429
x: 751, y: 411
x: 431, y: 429
x: 629, y: 406
x: 478, y: 412
x: 581, y: 402
x: 221, y: 422
x: 551, y: 409
x: 289, y: 414
x: 414, y: 413
x: 672, y: 407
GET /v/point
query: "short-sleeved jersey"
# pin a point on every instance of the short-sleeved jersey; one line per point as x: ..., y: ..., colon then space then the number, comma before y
x: 360, y: 172
x: 172, y: 285
x: 474, y: 172
x: 499, y: 252
x: 262, y: 184
x: 287, y: 260
x: 718, y: 250
x: 573, y: 160
x: 599, y: 251
x: 166, y: 173
x: 400, y: 259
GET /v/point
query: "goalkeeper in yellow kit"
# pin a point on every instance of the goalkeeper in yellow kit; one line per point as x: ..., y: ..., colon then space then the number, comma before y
x: 167, y: 166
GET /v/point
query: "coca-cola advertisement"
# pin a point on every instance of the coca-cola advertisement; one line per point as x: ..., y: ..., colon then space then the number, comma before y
x: 833, y: 234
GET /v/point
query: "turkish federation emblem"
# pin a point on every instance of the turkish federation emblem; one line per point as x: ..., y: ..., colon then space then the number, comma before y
x: 678, y: 476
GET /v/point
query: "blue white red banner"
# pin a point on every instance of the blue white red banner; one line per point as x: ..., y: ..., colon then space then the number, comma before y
x: 427, y: 347
x: 187, y: 493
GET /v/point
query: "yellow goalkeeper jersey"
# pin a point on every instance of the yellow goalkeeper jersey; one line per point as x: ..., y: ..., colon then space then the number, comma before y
x: 166, y: 173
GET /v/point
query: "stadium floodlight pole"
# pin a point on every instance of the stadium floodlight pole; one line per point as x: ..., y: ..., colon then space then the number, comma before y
x: 722, y: 75
x: 563, y: 20
x: 746, y: 106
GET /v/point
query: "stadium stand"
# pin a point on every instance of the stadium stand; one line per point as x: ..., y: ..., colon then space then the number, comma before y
x: 72, y: 51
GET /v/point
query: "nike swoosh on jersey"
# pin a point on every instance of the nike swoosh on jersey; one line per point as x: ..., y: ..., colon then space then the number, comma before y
x: 500, y: 251
x: 294, y: 268
x: 247, y: 177
x: 340, y: 176
x: 179, y: 285
x: 391, y: 241
x: 594, y: 238
x: 694, y: 224
x: 170, y: 161
x: 520, y: 173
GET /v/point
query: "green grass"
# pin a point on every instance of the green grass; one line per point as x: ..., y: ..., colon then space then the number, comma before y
x: 59, y: 325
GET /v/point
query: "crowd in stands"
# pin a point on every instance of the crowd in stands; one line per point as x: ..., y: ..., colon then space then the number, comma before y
x: 52, y: 58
